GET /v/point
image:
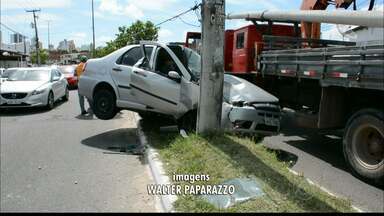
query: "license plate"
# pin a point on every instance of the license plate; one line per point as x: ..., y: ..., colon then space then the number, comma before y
x: 13, y: 102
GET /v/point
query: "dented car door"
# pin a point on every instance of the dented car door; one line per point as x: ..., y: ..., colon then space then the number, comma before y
x: 153, y: 87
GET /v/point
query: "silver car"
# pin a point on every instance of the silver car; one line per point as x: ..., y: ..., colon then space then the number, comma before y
x: 30, y: 87
x: 156, y: 78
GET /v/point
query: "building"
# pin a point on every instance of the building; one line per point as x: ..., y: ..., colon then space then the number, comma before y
x: 366, y: 36
x: 51, y: 47
x: 85, y: 48
x: 17, y: 38
x: 72, y: 58
x: 33, y: 45
x: 71, y: 46
x: 66, y: 45
x: 14, y: 55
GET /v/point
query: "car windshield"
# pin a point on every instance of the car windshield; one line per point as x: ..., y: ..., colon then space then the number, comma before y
x: 6, y: 73
x: 193, y: 61
x: 29, y: 75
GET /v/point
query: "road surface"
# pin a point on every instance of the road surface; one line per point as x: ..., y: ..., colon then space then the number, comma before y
x: 319, y: 157
x: 59, y: 161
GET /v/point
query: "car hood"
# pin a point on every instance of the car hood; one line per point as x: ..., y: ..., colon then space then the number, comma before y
x: 240, y: 90
x: 20, y: 86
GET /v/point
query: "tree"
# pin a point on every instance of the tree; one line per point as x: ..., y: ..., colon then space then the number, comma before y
x: 43, y: 57
x: 136, y: 32
x: 130, y: 35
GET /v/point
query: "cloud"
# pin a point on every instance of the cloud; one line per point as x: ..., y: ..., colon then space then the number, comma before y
x: 134, y: 9
x: 26, y: 17
x: 114, y: 8
x: 266, y: 4
x: 102, y: 40
x: 24, y: 4
x: 165, y: 35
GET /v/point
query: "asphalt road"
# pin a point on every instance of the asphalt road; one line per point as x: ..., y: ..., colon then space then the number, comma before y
x: 59, y: 161
x: 319, y: 157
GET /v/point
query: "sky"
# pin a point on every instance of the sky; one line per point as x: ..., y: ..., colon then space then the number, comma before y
x: 71, y: 19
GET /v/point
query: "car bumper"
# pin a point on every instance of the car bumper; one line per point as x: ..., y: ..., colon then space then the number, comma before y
x: 28, y: 101
x: 250, y: 119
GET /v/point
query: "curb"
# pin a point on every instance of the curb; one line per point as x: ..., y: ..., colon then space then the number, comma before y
x: 156, y: 167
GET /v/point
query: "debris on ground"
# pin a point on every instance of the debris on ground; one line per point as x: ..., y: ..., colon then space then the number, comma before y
x: 183, y: 133
x: 245, y: 189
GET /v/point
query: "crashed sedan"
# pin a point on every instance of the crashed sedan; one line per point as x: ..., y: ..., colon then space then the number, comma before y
x: 164, y: 79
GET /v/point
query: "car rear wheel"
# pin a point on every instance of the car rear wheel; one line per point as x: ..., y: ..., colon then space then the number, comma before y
x: 104, y: 104
x: 363, y: 144
x: 50, y: 101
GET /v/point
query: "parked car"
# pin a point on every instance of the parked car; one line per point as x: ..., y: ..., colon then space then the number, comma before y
x: 30, y: 87
x: 166, y: 81
x: 2, y: 77
x: 69, y: 72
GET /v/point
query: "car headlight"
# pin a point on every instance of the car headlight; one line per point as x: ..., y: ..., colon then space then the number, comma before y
x: 38, y: 91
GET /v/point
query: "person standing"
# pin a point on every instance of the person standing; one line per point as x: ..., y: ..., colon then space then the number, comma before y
x: 79, y: 72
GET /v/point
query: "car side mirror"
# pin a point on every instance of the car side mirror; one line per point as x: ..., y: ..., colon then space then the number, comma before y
x: 55, y: 79
x: 174, y: 75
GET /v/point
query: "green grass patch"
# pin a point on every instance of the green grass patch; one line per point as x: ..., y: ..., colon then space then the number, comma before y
x: 225, y: 156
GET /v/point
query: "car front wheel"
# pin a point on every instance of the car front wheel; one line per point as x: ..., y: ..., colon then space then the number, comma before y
x: 50, y: 101
x: 66, y: 95
x: 104, y: 104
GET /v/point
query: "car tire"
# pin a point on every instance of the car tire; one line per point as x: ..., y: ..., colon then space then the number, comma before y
x: 66, y: 95
x: 104, y: 104
x: 363, y: 144
x: 50, y: 101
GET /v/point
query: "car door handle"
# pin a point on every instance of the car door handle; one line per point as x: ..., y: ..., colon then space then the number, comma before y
x: 117, y: 69
x: 139, y: 73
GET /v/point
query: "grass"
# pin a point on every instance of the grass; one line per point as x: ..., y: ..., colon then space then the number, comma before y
x: 225, y: 156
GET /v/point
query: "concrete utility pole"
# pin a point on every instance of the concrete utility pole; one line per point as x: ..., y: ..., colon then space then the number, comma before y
x: 36, y: 33
x: 212, y: 77
x: 93, y: 30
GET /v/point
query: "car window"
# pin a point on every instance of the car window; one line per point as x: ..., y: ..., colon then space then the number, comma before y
x: 240, y: 38
x: 29, y: 75
x: 165, y: 63
x: 193, y: 62
x: 132, y: 56
x: 56, y: 73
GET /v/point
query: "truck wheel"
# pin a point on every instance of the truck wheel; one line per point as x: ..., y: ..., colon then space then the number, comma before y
x: 363, y: 144
x: 104, y: 104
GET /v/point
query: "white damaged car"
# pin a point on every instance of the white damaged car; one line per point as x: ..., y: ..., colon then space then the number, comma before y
x: 166, y: 81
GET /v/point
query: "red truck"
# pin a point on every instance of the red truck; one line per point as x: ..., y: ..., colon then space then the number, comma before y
x: 331, y: 85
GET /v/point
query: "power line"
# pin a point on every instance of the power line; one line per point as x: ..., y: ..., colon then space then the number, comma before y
x: 190, y: 24
x: 179, y: 15
x: 12, y: 30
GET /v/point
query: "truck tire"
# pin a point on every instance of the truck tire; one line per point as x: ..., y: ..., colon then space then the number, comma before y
x: 363, y: 144
x: 104, y: 104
